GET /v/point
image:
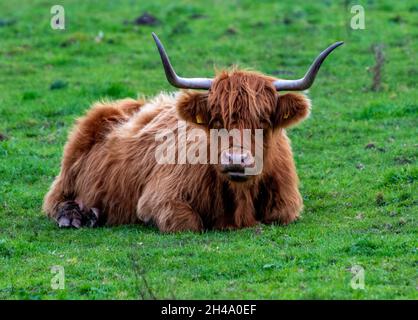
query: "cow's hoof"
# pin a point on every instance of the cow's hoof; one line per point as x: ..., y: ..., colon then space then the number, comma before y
x: 92, y: 218
x: 70, y: 215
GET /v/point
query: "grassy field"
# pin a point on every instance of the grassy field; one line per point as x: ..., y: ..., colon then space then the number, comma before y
x: 356, y: 155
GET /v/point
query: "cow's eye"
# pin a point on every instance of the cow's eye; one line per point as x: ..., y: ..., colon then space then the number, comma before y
x: 265, y: 124
x: 216, y: 124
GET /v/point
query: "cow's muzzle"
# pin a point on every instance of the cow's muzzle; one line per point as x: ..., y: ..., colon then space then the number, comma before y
x: 234, y: 161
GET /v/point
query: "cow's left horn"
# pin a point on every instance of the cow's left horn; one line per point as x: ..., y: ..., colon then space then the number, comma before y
x: 305, y: 82
x: 173, y: 78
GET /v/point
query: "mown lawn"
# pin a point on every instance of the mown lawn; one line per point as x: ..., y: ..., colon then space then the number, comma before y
x: 356, y: 155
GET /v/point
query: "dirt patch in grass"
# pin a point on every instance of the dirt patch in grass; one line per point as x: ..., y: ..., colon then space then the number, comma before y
x: 231, y: 31
x: 146, y: 19
x: 403, y: 160
x: 196, y: 16
x: 7, y: 22
x: 58, y: 84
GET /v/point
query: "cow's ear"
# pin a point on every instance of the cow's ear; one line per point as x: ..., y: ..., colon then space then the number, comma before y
x: 192, y: 106
x: 291, y: 109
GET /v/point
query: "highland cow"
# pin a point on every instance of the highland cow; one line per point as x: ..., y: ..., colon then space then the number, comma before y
x: 110, y: 175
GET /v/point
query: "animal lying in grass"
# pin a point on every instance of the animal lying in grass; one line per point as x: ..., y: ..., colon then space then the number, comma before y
x: 110, y: 174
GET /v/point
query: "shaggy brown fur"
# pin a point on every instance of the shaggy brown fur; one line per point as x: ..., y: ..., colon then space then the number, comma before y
x: 109, y: 161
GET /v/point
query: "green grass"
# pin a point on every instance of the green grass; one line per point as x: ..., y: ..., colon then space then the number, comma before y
x: 361, y: 203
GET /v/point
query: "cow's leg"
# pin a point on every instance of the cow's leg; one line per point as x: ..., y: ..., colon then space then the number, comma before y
x: 284, y: 213
x: 279, y: 190
x: 279, y: 198
x: 286, y: 208
x: 169, y: 216
x: 243, y: 216
x: 89, y: 130
x: 68, y: 213
x: 178, y: 216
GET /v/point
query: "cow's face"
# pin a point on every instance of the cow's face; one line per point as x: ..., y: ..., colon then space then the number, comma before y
x: 243, y: 100
x: 238, y: 103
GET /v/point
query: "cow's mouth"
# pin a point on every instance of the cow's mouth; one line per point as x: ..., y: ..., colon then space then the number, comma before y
x: 237, y: 176
x: 235, y: 172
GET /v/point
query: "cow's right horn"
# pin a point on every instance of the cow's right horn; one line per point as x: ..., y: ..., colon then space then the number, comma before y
x: 173, y: 78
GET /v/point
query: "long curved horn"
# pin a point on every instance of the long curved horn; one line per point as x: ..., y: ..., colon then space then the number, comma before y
x: 305, y: 82
x: 173, y: 78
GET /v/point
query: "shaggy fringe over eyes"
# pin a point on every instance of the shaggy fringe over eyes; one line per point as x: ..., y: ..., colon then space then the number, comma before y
x: 250, y: 95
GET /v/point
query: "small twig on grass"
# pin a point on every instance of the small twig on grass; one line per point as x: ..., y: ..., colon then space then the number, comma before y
x: 144, y: 288
x: 377, y: 68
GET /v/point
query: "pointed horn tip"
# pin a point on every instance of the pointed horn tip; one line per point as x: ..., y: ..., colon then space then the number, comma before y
x: 332, y: 47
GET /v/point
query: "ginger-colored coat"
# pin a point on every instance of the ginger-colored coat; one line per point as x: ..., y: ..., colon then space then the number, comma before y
x: 109, y: 174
